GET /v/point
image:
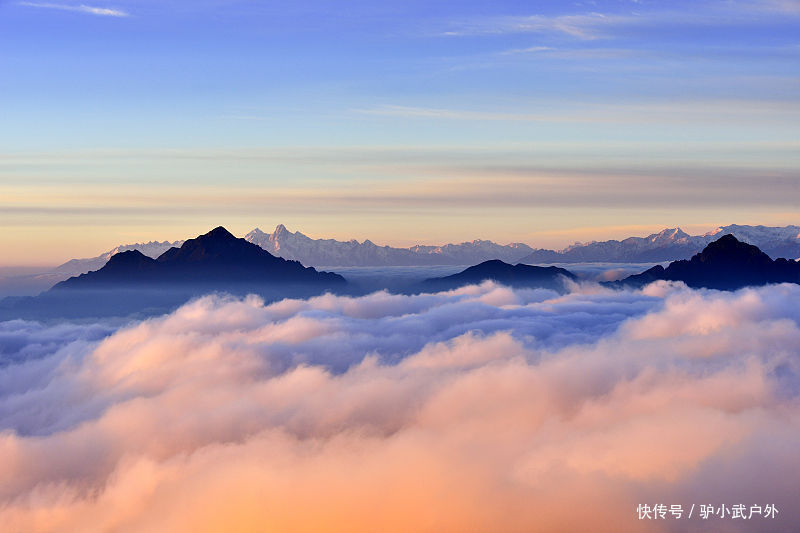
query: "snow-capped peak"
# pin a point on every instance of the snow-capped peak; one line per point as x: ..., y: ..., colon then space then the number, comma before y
x: 669, y: 234
x: 667, y: 244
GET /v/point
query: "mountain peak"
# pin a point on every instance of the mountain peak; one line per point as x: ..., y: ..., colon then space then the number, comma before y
x: 730, y: 249
x: 126, y: 254
x: 218, y: 233
x: 728, y: 239
x: 550, y: 277
x: 216, y: 257
x: 128, y: 257
x: 668, y: 235
x: 218, y: 244
x: 726, y: 263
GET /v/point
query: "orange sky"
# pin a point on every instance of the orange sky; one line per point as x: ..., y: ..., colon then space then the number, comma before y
x: 60, y: 205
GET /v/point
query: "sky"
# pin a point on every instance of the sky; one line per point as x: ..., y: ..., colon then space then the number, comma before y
x: 402, y: 122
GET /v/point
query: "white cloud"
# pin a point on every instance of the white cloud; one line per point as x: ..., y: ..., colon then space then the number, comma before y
x: 587, y: 26
x: 529, y: 50
x: 82, y: 8
x: 483, y: 409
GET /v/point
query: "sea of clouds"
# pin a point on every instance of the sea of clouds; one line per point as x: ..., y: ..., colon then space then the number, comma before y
x: 481, y: 409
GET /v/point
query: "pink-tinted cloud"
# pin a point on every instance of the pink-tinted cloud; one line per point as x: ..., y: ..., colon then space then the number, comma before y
x: 483, y: 409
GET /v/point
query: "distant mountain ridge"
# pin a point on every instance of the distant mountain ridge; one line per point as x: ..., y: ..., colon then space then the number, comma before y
x: 80, y: 266
x: 725, y: 264
x: 216, y: 257
x: 134, y: 284
x: 330, y: 252
x: 672, y: 244
x: 667, y: 245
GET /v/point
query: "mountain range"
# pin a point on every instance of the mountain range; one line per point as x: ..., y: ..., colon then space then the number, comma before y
x: 672, y: 244
x: 132, y: 283
x: 218, y: 260
x: 666, y: 245
x: 725, y: 264
x: 330, y: 252
x: 81, y: 266
x: 216, y: 257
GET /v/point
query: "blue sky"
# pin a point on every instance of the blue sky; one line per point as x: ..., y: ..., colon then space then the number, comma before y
x: 402, y: 122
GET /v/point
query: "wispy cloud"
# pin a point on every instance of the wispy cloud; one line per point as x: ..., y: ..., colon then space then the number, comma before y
x: 82, y: 8
x: 566, y: 53
x: 703, y: 111
x: 584, y: 26
x: 594, y: 25
x: 426, y: 112
x: 529, y: 50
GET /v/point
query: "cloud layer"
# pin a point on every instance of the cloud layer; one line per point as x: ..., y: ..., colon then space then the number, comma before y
x: 483, y: 409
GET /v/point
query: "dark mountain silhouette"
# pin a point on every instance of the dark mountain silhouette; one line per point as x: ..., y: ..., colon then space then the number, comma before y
x: 135, y: 285
x: 726, y: 264
x: 514, y: 275
x: 671, y: 244
x: 121, y: 267
x: 214, y: 258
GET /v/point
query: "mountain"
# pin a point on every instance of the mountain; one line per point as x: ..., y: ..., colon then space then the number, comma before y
x: 36, y: 281
x: 74, y: 267
x: 330, y: 252
x: 774, y: 241
x: 726, y: 264
x: 214, y: 258
x: 671, y: 244
x: 667, y: 245
x: 514, y: 275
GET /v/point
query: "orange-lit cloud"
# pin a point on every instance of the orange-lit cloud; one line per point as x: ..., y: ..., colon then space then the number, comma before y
x: 483, y: 409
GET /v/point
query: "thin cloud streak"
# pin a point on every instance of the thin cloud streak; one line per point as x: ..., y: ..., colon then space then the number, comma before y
x: 703, y: 112
x: 586, y: 27
x: 529, y: 50
x: 593, y: 25
x: 91, y: 10
x: 473, y: 186
x: 427, y: 112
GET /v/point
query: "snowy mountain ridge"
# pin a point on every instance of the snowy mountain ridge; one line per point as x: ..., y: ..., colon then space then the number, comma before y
x: 81, y: 266
x: 330, y: 252
x: 672, y: 244
x: 667, y: 245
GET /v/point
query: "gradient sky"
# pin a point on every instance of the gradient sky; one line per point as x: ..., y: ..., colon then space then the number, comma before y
x: 399, y: 121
